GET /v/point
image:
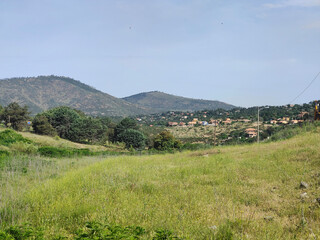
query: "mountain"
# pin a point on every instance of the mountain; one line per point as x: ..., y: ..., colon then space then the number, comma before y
x: 163, y: 102
x: 45, y: 92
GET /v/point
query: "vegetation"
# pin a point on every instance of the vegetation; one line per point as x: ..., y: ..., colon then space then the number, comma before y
x: 127, y: 131
x: 70, y: 124
x: 165, y: 141
x: 158, y: 102
x: 234, y: 192
x: 45, y: 92
x: 133, y: 139
x: 42, y: 126
x: 15, y: 116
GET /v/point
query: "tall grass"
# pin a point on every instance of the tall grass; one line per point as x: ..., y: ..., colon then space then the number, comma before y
x: 237, y: 192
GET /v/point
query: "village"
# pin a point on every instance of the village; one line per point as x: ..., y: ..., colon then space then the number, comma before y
x: 221, y: 126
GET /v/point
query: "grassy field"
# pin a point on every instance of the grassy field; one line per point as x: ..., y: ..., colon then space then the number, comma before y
x: 237, y: 192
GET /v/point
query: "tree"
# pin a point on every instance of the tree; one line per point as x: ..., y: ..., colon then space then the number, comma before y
x: 133, y: 138
x: 92, y: 129
x: 1, y: 113
x: 66, y: 121
x: 15, y: 116
x: 166, y: 141
x: 125, y: 124
x: 71, y: 124
x: 42, y: 126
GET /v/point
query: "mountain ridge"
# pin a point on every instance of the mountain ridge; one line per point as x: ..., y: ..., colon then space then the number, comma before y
x: 161, y: 102
x: 44, y: 92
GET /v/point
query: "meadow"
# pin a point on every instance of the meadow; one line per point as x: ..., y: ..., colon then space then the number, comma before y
x: 231, y: 192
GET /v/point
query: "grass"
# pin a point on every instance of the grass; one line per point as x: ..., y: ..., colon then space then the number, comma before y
x: 42, y: 140
x: 234, y: 192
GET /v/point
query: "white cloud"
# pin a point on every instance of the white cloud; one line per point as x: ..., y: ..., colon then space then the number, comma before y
x: 294, y: 3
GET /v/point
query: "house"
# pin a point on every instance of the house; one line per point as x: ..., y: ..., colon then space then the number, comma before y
x: 251, y: 132
x: 301, y: 115
x: 244, y: 120
x: 287, y: 119
x: 227, y: 121
x: 294, y: 121
x: 273, y: 121
x: 182, y: 124
x: 172, y: 124
x: 204, y: 123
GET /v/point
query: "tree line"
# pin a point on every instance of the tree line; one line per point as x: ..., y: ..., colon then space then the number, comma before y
x: 76, y: 126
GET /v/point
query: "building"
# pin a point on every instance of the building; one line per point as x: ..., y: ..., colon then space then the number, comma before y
x: 172, y: 124
x: 251, y: 132
x: 227, y: 121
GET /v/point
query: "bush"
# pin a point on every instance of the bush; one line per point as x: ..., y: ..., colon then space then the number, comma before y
x: 195, y: 146
x: 133, y: 139
x: 23, y: 232
x: 95, y: 230
x: 55, y: 152
x: 8, y: 137
x: 165, y: 141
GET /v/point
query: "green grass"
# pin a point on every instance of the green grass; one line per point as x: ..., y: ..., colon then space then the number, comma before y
x: 235, y: 192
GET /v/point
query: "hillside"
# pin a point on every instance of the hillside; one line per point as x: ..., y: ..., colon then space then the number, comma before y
x: 163, y: 102
x: 45, y: 92
x: 239, y: 192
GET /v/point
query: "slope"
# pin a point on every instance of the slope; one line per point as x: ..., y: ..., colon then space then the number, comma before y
x: 239, y: 192
x: 163, y: 102
x: 44, y: 92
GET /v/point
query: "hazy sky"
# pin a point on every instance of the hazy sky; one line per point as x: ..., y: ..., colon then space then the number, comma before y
x: 244, y: 52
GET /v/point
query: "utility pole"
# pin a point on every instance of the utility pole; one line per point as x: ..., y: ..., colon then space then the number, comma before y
x: 258, y: 124
x: 215, y: 129
x: 258, y: 140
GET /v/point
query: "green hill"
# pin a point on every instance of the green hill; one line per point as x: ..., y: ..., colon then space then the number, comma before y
x: 163, y: 102
x: 238, y: 192
x: 44, y: 92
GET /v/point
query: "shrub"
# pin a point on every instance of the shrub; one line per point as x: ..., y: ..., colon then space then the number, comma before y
x: 8, y: 137
x: 165, y: 141
x: 95, y: 230
x: 23, y: 232
x: 48, y: 151
x: 164, y: 234
x: 195, y: 146
x: 55, y: 152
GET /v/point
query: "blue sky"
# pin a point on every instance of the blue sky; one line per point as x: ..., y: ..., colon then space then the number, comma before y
x: 246, y: 52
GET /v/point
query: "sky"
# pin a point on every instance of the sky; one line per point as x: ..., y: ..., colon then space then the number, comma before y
x: 246, y: 53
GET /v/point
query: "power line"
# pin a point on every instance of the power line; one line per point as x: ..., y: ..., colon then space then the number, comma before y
x: 305, y: 88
